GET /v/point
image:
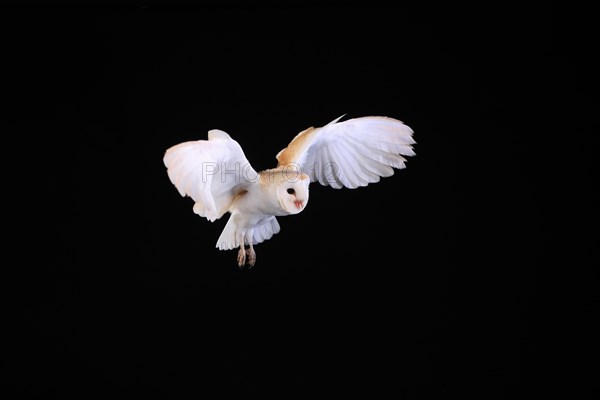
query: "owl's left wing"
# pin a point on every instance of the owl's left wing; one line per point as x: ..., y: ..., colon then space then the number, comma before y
x: 351, y: 153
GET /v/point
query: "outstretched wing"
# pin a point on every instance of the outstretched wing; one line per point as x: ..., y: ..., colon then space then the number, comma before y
x: 351, y: 153
x: 212, y: 172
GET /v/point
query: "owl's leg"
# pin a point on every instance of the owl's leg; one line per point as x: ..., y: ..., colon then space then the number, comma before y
x: 241, y: 257
x: 251, y: 255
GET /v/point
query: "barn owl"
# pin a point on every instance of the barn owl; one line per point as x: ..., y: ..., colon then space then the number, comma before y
x: 217, y: 176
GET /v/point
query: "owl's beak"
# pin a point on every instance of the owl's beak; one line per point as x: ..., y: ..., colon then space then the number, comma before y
x: 298, y: 204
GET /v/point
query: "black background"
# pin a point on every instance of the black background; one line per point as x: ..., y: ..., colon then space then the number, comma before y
x: 422, y: 284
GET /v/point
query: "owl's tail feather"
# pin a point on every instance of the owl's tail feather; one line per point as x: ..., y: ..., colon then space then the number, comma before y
x: 227, y: 240
x: 231, y: 236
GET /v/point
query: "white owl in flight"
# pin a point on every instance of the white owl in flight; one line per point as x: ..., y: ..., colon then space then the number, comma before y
x: 217, y: 176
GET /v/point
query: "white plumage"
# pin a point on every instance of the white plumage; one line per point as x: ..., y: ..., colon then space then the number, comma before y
x: 217, y: 176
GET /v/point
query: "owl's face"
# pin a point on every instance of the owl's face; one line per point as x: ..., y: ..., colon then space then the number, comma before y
x: 292, y: 192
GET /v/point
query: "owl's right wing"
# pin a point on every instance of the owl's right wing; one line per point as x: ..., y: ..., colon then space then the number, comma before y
x: 212, y: 172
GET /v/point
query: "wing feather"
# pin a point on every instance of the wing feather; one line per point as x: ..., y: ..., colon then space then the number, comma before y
x: 369, y: 162
x: 330, y: 169
x: 212, y: 172
x: 361, y: 175
x: 384, y: 157
x: 319, y: 167
x: 345, y: 167
x: 351, y: 153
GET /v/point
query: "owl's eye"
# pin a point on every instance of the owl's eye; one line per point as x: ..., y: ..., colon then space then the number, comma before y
x: 290, y: 191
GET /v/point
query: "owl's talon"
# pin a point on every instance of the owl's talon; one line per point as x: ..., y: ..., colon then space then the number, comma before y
x: 241, y: 257
x: 251, y: 256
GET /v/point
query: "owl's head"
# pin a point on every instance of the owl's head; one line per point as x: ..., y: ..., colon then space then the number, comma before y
x: 292, y: 191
